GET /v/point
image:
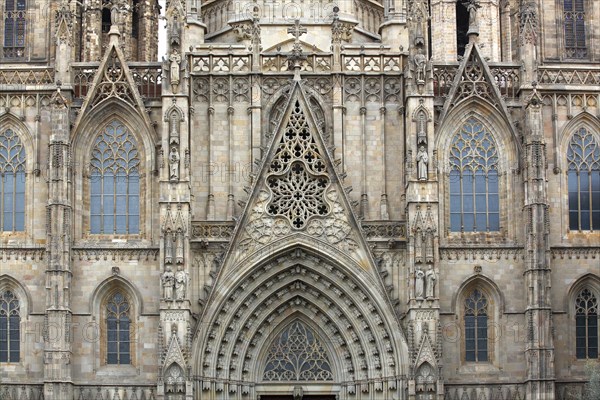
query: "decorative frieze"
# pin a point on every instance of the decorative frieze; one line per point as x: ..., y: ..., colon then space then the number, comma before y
x: 576, y: 253
x: 212, y: 231
x: 384, y: 231
x: 8, y: 253
x: 487, y: 253
x: 124, y: 253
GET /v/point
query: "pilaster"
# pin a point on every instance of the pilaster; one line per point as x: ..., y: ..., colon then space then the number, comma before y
x: 57, y: 348
x: 175, y: 328
x: 539, y: 348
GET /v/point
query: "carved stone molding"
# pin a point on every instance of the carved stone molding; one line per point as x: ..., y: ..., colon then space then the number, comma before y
x: 22, y: 253
x: 500, y: 392
x: 487, y: 253
x: 575, y: 253
x: 350, y: 317
x: 384, y: 231
x: 115, y: 254
x: 204, y: 231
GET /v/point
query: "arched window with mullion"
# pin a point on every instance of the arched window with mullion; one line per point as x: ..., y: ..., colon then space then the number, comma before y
x: 473, y: 180
x: 115, y: 182
x: 574, y: 24
x: 583, y: 157
x: 476, y: 327
x: 15, y: 18
x: 118, y: 330
x: 10, y: 327
x: 12, y: 182
x: 586, y: 325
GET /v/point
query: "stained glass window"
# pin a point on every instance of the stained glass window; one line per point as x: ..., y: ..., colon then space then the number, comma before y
x: 474, y: 200
x: 115, y: 182
x: 12, y: 182
x: 297, y: 355
x: 476, y: 327
x: 10, y: 327
x: 583, y: 156
x: 574, y: 20
x: 15, y: 17
x: 586, y: 325
x: 118, y: 330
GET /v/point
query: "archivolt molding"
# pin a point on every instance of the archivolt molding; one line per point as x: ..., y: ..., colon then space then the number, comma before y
x: 372, y: 345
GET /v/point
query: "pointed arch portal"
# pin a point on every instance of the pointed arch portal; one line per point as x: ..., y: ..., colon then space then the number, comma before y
x: 298, y: 304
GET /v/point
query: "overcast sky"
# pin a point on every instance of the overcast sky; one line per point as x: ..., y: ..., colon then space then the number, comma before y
x: 162, y: 32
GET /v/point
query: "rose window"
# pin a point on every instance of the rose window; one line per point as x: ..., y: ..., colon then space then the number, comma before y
x: 297, y: 174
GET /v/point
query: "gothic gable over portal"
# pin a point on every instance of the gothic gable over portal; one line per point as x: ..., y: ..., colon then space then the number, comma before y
x: 297, y: 193
x: 298, y: 254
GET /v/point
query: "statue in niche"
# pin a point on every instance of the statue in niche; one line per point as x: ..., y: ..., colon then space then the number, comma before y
x: 430, y: 279
x: 420, y: 61
x: 179, y: 247
x: 168, y: 247
x: 174, y: 69
x: 181, y: 281
x: 174, y: 164
x: 168, y: 282
x: 422, y: 161
x: 419, y: 283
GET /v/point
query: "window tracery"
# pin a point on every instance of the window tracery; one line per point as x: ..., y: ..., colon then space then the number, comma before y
x: 586, y: 325
x: 476, y: 327
x: 10, y: 327
x: 12, y: 175
x: 574, y: 24
x: 297, y: 175
x: 297, y: 354
x: 115, y: 182
x: 583, y: 157
x: 118, y: 323
x: 474, y: 195
x: 15, y: 22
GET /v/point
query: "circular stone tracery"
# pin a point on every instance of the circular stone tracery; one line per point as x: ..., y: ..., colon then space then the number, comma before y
x: 297, y: 175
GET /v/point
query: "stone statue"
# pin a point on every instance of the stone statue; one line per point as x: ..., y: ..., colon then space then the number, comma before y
x: 430, y: 278
x: 175, y: 59
x: 168, y: 281
x: 420, y: 61
x: 422, y: 161
x: 472, y: 6
x: 419, y: 283
x: 114, y: 13
x: 181, y: 281
x: 174, y: 164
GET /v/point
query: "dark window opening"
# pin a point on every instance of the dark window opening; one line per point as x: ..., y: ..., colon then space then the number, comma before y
x: 106, y: 23
x: 462, y: 27
x: 135, y: 20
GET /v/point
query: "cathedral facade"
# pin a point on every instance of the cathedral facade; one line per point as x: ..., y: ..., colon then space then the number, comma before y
x: 354, y: 200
